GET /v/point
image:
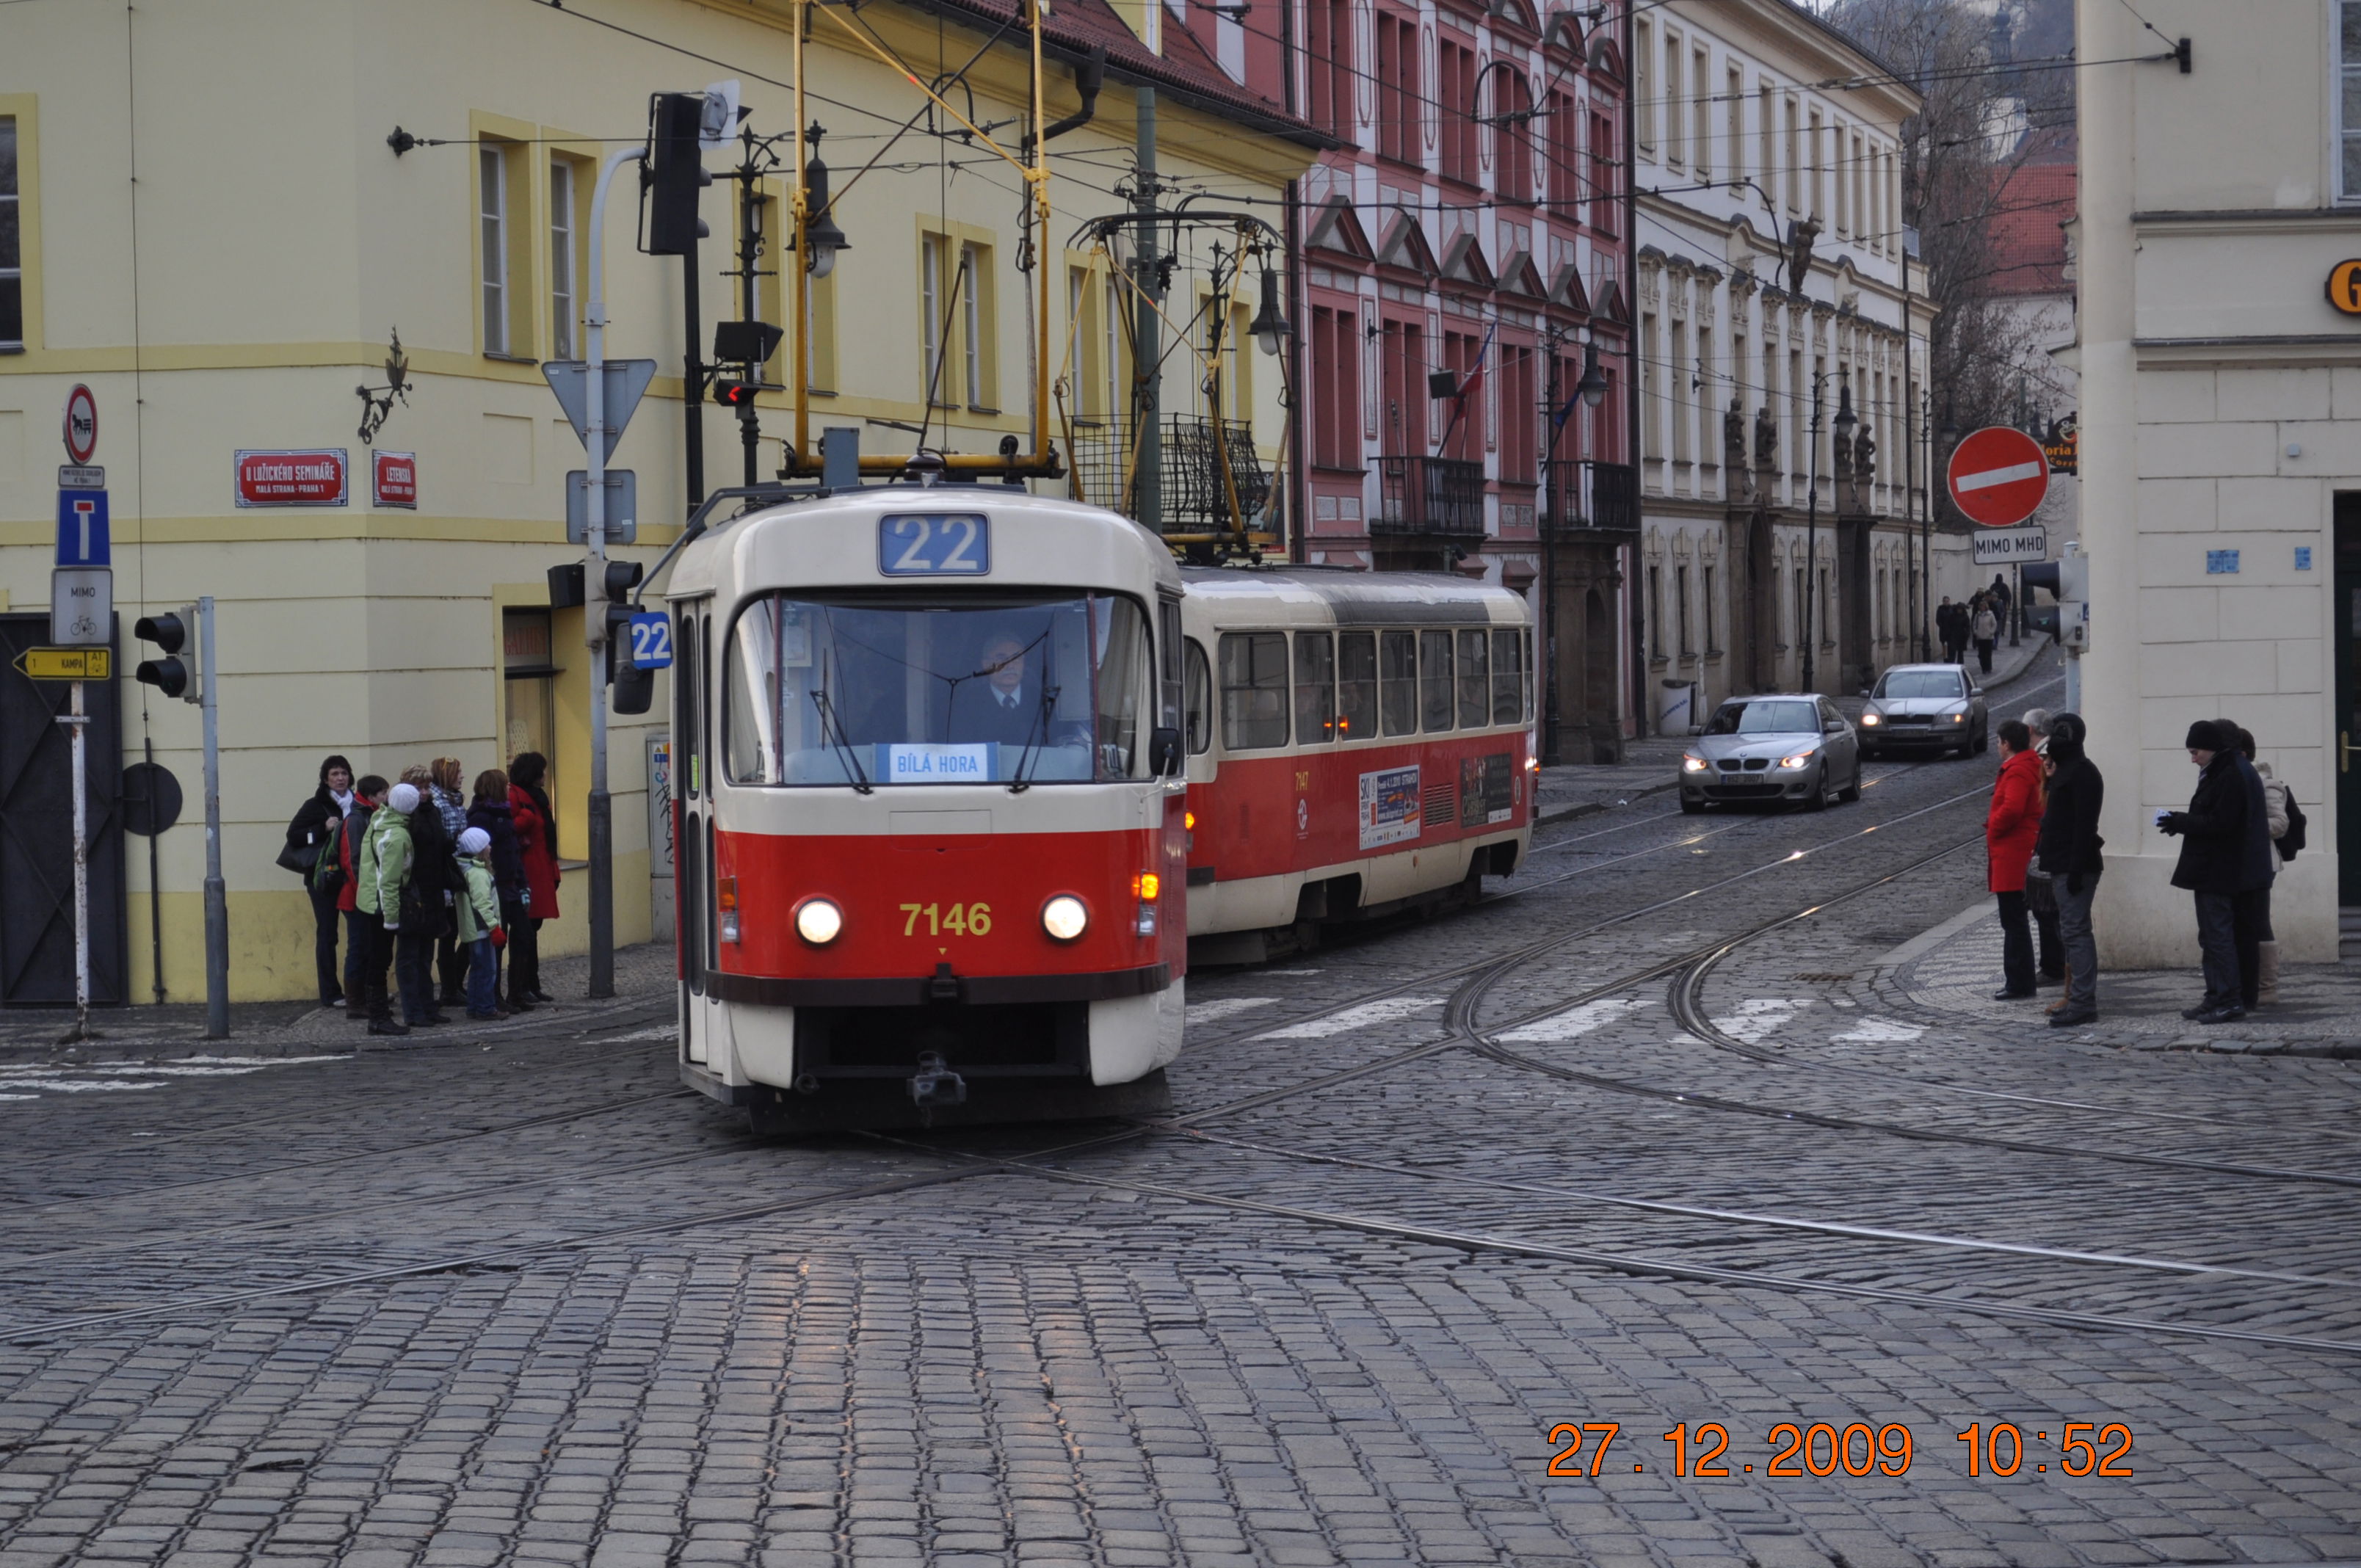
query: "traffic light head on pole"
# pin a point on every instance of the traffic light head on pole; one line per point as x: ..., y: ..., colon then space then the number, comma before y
x: 176, y: 671
x: 675, y: 173
x: 633, y: 689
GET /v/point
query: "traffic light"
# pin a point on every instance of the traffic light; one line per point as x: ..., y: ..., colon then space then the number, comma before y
x: 745, y: 343
x: 739, y: 395
x: 2068, y: 583
x: 635, y: 689
x: 675, y: 173
x: 172, y: 674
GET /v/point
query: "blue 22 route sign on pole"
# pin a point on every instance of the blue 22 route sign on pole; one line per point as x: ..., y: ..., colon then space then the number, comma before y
x: 651, y: 633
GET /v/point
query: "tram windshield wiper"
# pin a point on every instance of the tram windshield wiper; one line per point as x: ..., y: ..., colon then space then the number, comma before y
x: 1037, y: 736
x: 833, y: 727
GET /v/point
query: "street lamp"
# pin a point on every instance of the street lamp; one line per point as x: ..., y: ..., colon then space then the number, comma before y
x: 822, y: 238
x: 1593, y: 385
x: 1269, y: 326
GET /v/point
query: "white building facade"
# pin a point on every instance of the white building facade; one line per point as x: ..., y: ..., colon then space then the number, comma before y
x: 2221, y: 383
x: 1770, y: 560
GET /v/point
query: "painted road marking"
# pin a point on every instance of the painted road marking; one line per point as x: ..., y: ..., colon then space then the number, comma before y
x: 1572, y: 1024
x: 1367, y: 1014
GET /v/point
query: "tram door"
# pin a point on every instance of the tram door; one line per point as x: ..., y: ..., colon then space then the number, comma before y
x: 692, y: 839
x: 2346, y: 623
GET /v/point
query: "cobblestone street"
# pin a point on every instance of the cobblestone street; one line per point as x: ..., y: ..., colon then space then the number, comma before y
x: 1692, y: 1127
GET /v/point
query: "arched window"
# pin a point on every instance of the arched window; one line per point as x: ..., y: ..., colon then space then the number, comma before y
x: 1512, y: 135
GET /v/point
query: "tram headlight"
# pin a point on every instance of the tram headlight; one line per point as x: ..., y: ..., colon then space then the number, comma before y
x: 1065, y: 917
x: 818, y: 921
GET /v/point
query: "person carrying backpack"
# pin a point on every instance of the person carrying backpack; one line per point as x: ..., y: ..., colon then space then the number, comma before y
x: 368, y: 795
x: 311, y: 839
x: 384, y: 873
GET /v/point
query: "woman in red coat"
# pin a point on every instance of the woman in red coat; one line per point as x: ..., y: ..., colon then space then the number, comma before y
x: 536, y: 831
x: 2010, y: 829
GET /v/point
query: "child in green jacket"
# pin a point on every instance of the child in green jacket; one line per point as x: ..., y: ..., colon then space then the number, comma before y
x: 479, y: 926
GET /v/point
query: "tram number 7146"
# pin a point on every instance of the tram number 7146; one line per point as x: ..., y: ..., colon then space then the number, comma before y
x: 956, y: 545
x: 959, y: 919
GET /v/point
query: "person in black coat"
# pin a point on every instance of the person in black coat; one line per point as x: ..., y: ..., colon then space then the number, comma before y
x: 491, y: 811
x: 314, y: 825
x: 2068, y: 848
x: 2217, y: 862
x: 1005, y: 705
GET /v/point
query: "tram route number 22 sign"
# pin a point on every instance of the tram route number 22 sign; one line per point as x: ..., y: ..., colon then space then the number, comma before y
x: 1390, y: 810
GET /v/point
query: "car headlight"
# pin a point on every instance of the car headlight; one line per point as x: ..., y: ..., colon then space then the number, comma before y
x: 1799, y: 759
x: 1064, y: 917
x: 1870, y: 721
x: 818, y: 921
x: 1958, y: 717
x: 1692, y: 764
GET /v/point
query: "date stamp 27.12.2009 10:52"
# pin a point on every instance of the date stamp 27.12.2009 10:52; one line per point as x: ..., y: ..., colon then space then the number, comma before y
x: 2000, y: 1448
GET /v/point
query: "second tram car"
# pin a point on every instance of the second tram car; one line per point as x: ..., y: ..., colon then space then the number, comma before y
x: 1357, y: 742
x: 959, y: 771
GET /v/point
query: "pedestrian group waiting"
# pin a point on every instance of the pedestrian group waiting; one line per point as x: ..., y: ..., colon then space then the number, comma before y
x: 429, y: 881
x: 2042, y: 845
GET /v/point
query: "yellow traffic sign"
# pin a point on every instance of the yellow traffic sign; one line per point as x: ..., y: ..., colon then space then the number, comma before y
x: 67, y: 663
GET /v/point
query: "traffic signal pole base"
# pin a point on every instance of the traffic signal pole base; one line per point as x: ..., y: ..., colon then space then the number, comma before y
x: 602, y: 894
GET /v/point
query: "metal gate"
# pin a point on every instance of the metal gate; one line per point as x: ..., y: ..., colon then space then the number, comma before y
x: 37, y: 916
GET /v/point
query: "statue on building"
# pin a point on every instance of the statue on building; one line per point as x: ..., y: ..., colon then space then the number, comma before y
x: 1840, y: 454
x: 1766, y: 440
x: 1733, y: 437
x: 1864, y: 457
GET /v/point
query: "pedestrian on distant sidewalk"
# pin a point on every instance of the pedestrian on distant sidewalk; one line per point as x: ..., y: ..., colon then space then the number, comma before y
x: 2068, y: 849
x: 2040, y: 887
x: 2250, y: 921
x: 448, y: 791
x: 536, y: 831
x: 491, y: 812
x: 1948, y: 630
x: 2214, y: 866
x: 315, y: 828
x: 360, y: 931
x: 2276, y: 797
x: 1987, y: 632
x: 2012, y: 827
x: 384, y: 873
x: 480, y: 934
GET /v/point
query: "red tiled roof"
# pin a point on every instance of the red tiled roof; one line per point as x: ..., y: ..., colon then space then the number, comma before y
x: 1186, y: 70
x: 2028, y: 246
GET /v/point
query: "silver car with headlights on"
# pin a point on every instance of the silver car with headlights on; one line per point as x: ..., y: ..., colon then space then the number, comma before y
x: 1765, y: 748
x: 1924, y: 707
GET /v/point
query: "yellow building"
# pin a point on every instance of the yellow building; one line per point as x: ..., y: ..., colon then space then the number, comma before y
x: 218, y: 231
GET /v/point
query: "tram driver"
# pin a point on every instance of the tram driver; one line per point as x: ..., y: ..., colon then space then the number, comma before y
x: 1004, y: 706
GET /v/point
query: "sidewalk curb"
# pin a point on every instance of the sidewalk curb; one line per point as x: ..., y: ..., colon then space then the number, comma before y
x: 1592, y: 807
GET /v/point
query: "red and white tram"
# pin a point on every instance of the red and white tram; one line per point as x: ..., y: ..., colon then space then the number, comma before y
x: 959, y: 771
x: 1357, y: 742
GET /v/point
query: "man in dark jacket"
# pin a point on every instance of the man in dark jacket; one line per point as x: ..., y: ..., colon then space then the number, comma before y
x: 2250, y: 920
x: 316, y: 826
x: 2068, y: 849
x: 2215, y: 862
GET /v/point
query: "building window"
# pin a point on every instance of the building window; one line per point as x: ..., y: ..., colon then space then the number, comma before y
x: 1602, y: 175
x: 1790, y: 157
x: 1337, y: 395
x: 1712, y: 643
x: 1701, y: 104
x: 1564, y: 175
x: 1675, y: 130
x: 1678, y: 376
x: 955, y: 303
x: 1643, y: 85
x: 1652, y: 417
x: 1520, y: 414
x: 1513, y: 136
x: 1656, y: 613
x: 564, y: 312
x: 1455, y: 74
x: 12, y: 251
x: 1405, y: 368
x: 1733, y: 101
x: 1401, y: 109
x: 1681, y: 599
x: 1330, y: 23
x: 493, y: 218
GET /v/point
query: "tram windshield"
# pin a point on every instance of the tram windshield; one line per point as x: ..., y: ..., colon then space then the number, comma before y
x: 868, y: 688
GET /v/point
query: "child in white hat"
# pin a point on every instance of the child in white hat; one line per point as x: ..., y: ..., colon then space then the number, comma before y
x: 479, y: 926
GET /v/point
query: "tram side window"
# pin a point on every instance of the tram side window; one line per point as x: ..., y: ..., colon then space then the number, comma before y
x: 1529, y: 669
x: 1357, y: 686
x: 1398, y: 681
x: 1200, y: 701
x: 1168, y: 638
x: 1254, y: 690
x: 1507, y: 677
x: 1474, y: 683
x: 1315, y: 687
x: 1434, y: 680
x: 684, y: 707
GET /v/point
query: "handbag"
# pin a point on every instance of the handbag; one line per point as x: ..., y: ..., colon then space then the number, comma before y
x: 2040, y: 891
x: 300, y: 858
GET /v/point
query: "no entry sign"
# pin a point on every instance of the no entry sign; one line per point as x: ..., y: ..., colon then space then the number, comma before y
x: 1998, y: 476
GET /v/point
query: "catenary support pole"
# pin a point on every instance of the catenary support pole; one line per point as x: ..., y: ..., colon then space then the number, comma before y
x: 155, y: 882
x: 1148, y: 351
x: 594, y: 608
x: 217, y: 896
x: 77, y: 723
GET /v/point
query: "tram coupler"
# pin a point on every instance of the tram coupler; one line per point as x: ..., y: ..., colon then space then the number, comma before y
x: 935, y: 1084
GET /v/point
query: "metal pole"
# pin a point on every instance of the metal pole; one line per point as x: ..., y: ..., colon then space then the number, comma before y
x: 751, y: 202
x: 77, y: 723
x: 1147, y: 350
x: 594, y: 607
x: 1552, y: 739
x: 1812, y: 534
x: 2016, y: 608
x: 216, y: 896
x: 155, y: 881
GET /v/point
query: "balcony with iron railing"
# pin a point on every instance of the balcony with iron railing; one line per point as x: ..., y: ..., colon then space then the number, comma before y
x: 1594, y: 498
x: 1438, y: 495
x: 1204, y: 468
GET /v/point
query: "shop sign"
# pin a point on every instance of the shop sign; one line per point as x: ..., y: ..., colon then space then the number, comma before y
x: 314, y: 477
